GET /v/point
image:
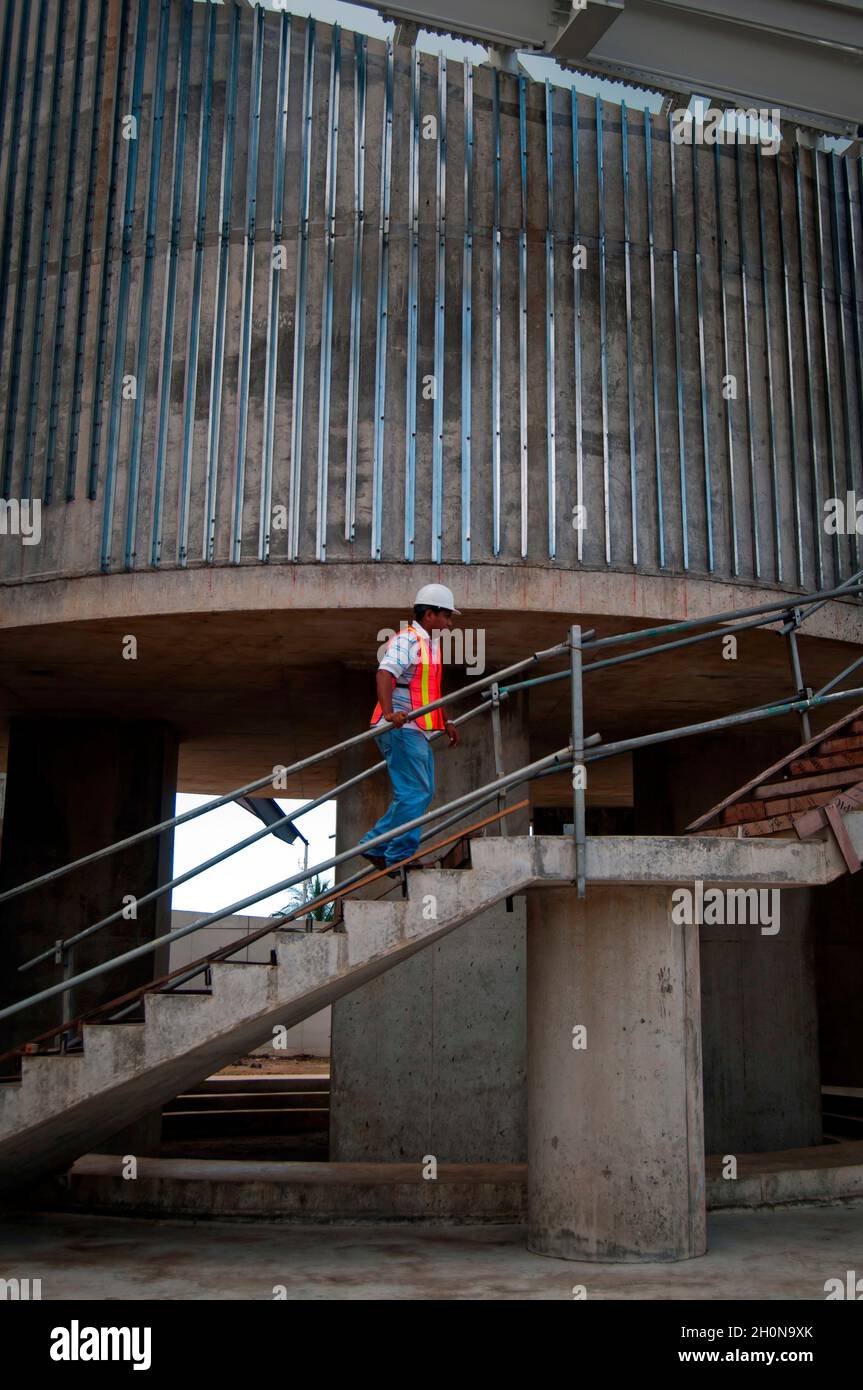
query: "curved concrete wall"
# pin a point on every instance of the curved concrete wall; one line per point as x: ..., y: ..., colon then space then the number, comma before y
x: 271, y: 292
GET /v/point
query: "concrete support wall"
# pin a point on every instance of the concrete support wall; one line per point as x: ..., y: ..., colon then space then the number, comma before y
x: 760, y: 1040
x: 430, y: 1059
x: 75, y: 786
x: 615, y: 1139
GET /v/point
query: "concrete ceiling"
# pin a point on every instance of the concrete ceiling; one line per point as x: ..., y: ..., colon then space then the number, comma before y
x: 245, y: 691
x: 803, y: 56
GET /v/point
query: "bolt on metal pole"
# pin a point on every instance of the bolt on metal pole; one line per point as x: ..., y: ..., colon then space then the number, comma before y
x: 579, y: 771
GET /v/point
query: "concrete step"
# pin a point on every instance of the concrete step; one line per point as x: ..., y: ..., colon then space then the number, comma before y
x: 278, y: 1191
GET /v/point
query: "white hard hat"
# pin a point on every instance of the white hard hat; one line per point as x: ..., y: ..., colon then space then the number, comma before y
x: 437, y: 596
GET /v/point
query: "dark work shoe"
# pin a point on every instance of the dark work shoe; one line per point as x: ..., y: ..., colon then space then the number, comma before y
x: 377, y: 860
x: 414, y: 864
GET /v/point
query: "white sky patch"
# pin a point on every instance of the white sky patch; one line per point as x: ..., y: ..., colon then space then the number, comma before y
x: 267, y: 862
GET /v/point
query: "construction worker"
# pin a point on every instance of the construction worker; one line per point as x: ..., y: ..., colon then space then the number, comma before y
x: 408, y: 677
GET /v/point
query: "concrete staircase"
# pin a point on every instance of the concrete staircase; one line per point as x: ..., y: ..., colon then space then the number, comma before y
x: 66, y: 1105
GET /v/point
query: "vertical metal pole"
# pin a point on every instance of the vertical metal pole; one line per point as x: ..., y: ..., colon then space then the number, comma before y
x: 118, y: 314
x: 467, y: 315
x: 576, y: 288
x: 855, y: 304
x: 747, y: 366
x: 579, y: 770
x: 327, y: 306
x: 73, y: 166
x: 116, y: 142
x: 789, y: 367
x: 217, y: 371
x: 495, y: 322
x: 412, y: 312
x: 13, y: 140
x: 299, y: 373
x: 675, y: 262
x: 48, y: 202
x: 144, y: 328
x: 807, y: 371
x: 768, y: 355
x: 276, y: 248
x: 726, y: 362
x: 64, y: 957
x: 702, y: 370
x: 842, y: 345
x: 794, y: 620
x: 193, y: 335
x: 825, y: 348
x: 360, y: 46
x: 498, y: 753
x: 247, y: 297
x: 603, y: 330
x: 522, y: 310
x: 166, y: 356
x: 550, y: 419
x: 439, y: 320
x: 654, y: 343
x: 630, y: 385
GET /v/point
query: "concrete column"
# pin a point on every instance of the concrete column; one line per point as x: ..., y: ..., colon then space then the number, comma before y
x: 430, y: 1058
x: 75, y: 786
x: 615, y: 1139
x: 761, y: 1071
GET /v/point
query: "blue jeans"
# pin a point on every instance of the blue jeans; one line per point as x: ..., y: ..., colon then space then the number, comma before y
x: 410, y: 764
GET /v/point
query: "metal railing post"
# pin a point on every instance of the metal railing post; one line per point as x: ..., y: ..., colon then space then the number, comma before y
x: 63, y: 957
x: 498, y: 752
x: 795, y: 617
x: 579, y: 772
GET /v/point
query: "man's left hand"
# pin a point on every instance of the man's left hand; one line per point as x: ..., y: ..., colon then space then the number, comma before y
x: 452, y: 733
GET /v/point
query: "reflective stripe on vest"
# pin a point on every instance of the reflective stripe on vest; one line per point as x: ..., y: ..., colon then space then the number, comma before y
x: 425, y: 683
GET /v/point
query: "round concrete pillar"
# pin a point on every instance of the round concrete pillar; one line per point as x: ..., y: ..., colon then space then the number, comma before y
x: 615, y: 1140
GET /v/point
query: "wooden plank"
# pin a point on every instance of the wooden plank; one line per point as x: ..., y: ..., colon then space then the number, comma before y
x: 825, y: 764
x: 842, y: 838
x: 767, y: 827
x: 841, y: 745
x: 814, y: 821
x: 808, y: 784
x: 744, y: 811
x: 854, y: 715
x: 789, y: 804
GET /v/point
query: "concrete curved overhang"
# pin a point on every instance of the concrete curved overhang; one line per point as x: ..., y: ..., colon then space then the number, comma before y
x: 388, y: 589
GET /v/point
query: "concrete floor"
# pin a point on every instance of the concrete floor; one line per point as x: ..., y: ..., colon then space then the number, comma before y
x: 780, y: 1254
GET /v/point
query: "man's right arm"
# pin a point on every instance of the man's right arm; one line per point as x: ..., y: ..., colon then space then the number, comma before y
x: 385, y: 683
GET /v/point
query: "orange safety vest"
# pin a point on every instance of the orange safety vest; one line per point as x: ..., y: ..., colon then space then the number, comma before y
x: 425, y: 685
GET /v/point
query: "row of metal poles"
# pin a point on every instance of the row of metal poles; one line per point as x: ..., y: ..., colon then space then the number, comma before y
x: 579, y: 752
x: 810, y: 359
